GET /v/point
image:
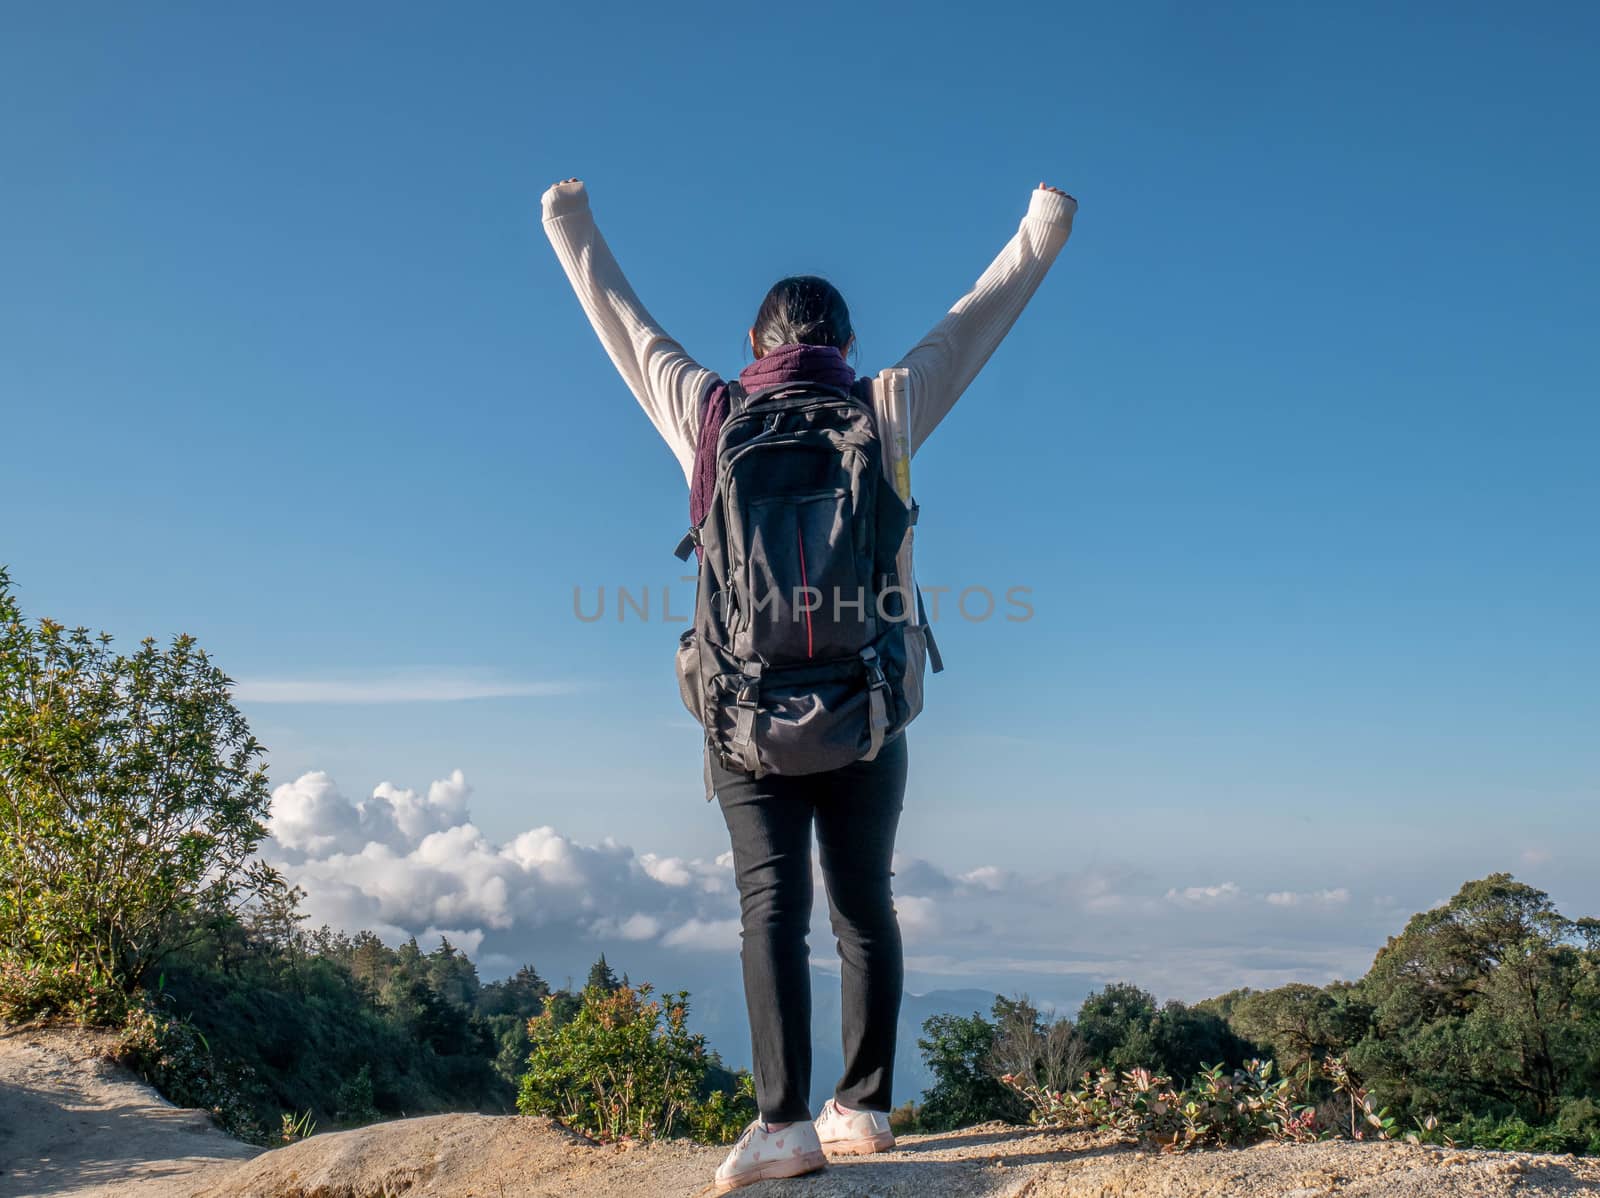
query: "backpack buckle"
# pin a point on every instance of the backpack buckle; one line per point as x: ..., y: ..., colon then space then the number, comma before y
x: 687, y: 545
x: 744, y: 720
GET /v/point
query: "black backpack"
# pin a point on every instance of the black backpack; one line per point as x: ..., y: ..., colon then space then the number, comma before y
x: 809, y: 636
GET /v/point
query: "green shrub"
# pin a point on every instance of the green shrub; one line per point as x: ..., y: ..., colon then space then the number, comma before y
x: 1220, y: 1107
x: 960, y: 1052
x: 36, y: 991
x: 175, y: 1058
x: 1579, y: 1125
x: 353, y: 1099
x: 130, y: 794
x: 626, y: 1066
x: 1575, y: 1129
x: 720, y: 1117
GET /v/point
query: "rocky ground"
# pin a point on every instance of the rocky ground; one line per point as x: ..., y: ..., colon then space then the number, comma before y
x: 75, y: 1126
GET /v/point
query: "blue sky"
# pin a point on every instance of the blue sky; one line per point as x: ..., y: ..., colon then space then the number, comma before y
x: 1295, y: 447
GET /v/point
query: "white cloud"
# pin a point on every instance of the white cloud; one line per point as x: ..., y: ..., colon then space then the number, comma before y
x: 712, y: 934
x: 1325, y: 898
x: 1204, y: 895
x: 669, y: 871
x: 412, y: 862
x: 1535, y: 856
x: 409, y: 686
x: 918, y: 917
x: 987, y: 877
x: 309, y: 814
x: 403, y: 862
x: 637, y: 926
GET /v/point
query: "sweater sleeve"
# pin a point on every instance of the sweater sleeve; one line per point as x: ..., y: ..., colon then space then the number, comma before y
x: 667, y: 382
x: 949, y: 356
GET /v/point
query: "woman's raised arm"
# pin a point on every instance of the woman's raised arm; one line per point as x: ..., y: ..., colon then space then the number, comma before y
x: 949, y: 357
x: 668, y: 383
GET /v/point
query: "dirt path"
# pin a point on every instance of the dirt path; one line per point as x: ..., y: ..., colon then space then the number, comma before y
x: 74, y: 1124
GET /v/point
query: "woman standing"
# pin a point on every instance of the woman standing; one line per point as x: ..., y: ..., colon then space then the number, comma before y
x: 802, y: 331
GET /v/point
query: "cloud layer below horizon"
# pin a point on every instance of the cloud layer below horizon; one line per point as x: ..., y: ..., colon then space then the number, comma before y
x: 405, y: 862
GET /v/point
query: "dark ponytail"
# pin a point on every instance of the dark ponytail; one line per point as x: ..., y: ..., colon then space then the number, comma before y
x: 803, y: 310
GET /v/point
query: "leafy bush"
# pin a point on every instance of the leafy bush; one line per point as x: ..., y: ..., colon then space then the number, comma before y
x: 1123, y: 1027
x: 1219, y: 1107
x: 723, y: 1114
x: 1119, y: 1028
x: 961, y: 1053
x: 1575, y: 1129
x: 130, y: 793
x: 294, y: 1127
x: 331, y: 1023
x: 353, y: 1100
x: 1487, y: 1005
x: 1367, y: 1120
x: 85, y: 995
x: 626, y: 1066
x: 175, y: 1058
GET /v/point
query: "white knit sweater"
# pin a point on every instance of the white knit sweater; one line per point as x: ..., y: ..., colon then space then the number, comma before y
x: 670, y: 385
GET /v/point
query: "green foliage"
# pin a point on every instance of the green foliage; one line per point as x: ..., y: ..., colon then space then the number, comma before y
x: 322, y: 1017
x: 960, y: 1053
x: 1122, y: 1027
x: 1575, y: 1129
x: 625, y: 1066
x: 1478, y: 1023
x: 603, y: 977
x: 33, y: 991
x: 1219, y: 1107
x: 1367, y: 1119
x: 294, y: 1127
x: 906, y: 1119
x: 1119, y: 1028
x: 521, y: 996
x: 174, y: 1057
x: 1487, y: 1005
x: 353, y: 1100
x: 130, y: 795
x: 1300, y: 1024
x: 723, y: 1113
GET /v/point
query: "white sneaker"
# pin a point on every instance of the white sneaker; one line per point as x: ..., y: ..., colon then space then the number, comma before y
x: 760, y: 1154
x: 852, y: 1133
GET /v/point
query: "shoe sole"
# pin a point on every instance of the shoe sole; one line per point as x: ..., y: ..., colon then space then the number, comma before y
x: 790, y: 1167
x: 881, y: 1142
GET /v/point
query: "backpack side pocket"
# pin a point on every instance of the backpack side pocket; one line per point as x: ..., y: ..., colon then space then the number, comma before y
x: 688, y: 665
x: 910, y: 688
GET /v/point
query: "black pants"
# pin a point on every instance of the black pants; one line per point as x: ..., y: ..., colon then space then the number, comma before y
x: 857, y: 810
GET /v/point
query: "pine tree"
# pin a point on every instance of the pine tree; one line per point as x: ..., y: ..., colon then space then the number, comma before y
x: 602, y: 976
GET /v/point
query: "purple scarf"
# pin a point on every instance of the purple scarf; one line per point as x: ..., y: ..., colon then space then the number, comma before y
x: 781, y: 364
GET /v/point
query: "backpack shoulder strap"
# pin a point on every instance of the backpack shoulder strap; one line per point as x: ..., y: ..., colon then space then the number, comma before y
x: 736, y: 397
